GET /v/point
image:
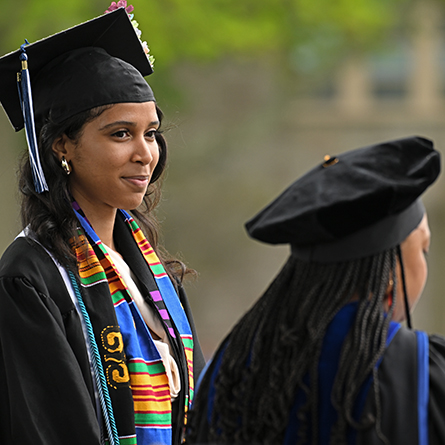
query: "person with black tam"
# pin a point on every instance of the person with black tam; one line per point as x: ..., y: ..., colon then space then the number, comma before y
x: 97, y: 341
x: 321, y: 357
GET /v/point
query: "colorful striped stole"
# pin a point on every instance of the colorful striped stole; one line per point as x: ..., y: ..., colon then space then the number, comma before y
x: 130, y: 355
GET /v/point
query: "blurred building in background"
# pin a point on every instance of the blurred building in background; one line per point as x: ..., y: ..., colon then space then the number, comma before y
x: 245, y: 128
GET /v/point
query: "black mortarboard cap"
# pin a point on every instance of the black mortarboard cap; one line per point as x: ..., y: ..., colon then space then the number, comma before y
x: 112, y: 32
x: 353, y: 205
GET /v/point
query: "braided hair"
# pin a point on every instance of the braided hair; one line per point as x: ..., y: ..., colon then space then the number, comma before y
x: 276, y: 345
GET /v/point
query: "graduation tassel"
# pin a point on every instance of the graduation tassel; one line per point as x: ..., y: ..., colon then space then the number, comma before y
x: 25, y: 95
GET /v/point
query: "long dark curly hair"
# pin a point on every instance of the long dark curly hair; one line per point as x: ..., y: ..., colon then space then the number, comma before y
x: 50, y: 215
x: 269, y: 354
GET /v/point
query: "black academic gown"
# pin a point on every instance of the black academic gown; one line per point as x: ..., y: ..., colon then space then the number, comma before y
x: 405, y: 419
x: 46, y: 388
x: 409, y: 415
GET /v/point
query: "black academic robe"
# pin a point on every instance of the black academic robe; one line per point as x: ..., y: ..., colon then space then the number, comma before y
x: 405, y: 419
x: 46, y: 388
x: 411, y: 390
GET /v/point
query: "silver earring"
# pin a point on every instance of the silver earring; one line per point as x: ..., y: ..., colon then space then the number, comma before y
x: 66, y: 167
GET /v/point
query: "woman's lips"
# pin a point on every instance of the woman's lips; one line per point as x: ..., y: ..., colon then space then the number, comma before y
x: 139, y: 181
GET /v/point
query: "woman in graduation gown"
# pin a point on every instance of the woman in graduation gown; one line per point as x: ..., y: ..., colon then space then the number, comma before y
x: 322, y: 358
x: 97, y: 342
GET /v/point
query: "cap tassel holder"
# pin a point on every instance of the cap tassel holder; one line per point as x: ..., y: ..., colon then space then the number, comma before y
x: 25, y: 95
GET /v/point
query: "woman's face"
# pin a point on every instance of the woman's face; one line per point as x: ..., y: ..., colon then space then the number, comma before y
x: 414, y: 250
x: 113, y: 159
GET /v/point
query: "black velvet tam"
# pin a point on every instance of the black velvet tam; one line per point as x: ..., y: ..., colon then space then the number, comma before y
x: 352, y: 205
x: 98, y: 62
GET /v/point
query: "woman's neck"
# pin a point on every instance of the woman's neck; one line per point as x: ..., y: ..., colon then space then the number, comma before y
x: 101, y: 220
x: 104, y: 229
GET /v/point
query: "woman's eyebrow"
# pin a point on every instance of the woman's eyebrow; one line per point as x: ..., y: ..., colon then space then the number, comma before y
x: 127, y: 123
x: 113, y: 124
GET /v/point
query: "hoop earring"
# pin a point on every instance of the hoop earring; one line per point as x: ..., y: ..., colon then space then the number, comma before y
x: 66, y: 167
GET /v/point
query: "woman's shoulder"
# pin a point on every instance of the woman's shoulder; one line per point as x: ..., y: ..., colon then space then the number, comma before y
x: 409, y: 343
x: 409, y: 339
x: 411, y: 336
x: 437, y: 356
x: 437, y: 342
x: 27, y: 269
x: 23, y: 257
x: 27, y: 263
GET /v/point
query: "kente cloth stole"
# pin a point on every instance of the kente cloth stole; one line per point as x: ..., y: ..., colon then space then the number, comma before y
x: 131, y: 362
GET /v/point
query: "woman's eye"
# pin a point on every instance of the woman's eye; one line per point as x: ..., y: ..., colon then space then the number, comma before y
x: 120, y: 134
x: 151, y: 134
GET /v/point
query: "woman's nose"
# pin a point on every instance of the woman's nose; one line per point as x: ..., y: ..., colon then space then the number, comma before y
x: 145, y: 151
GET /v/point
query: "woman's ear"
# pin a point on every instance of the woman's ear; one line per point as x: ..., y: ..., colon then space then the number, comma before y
x: 62, y: 147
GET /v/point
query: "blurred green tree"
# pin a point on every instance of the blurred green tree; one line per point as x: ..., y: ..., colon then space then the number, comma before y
x: 202, y: 30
